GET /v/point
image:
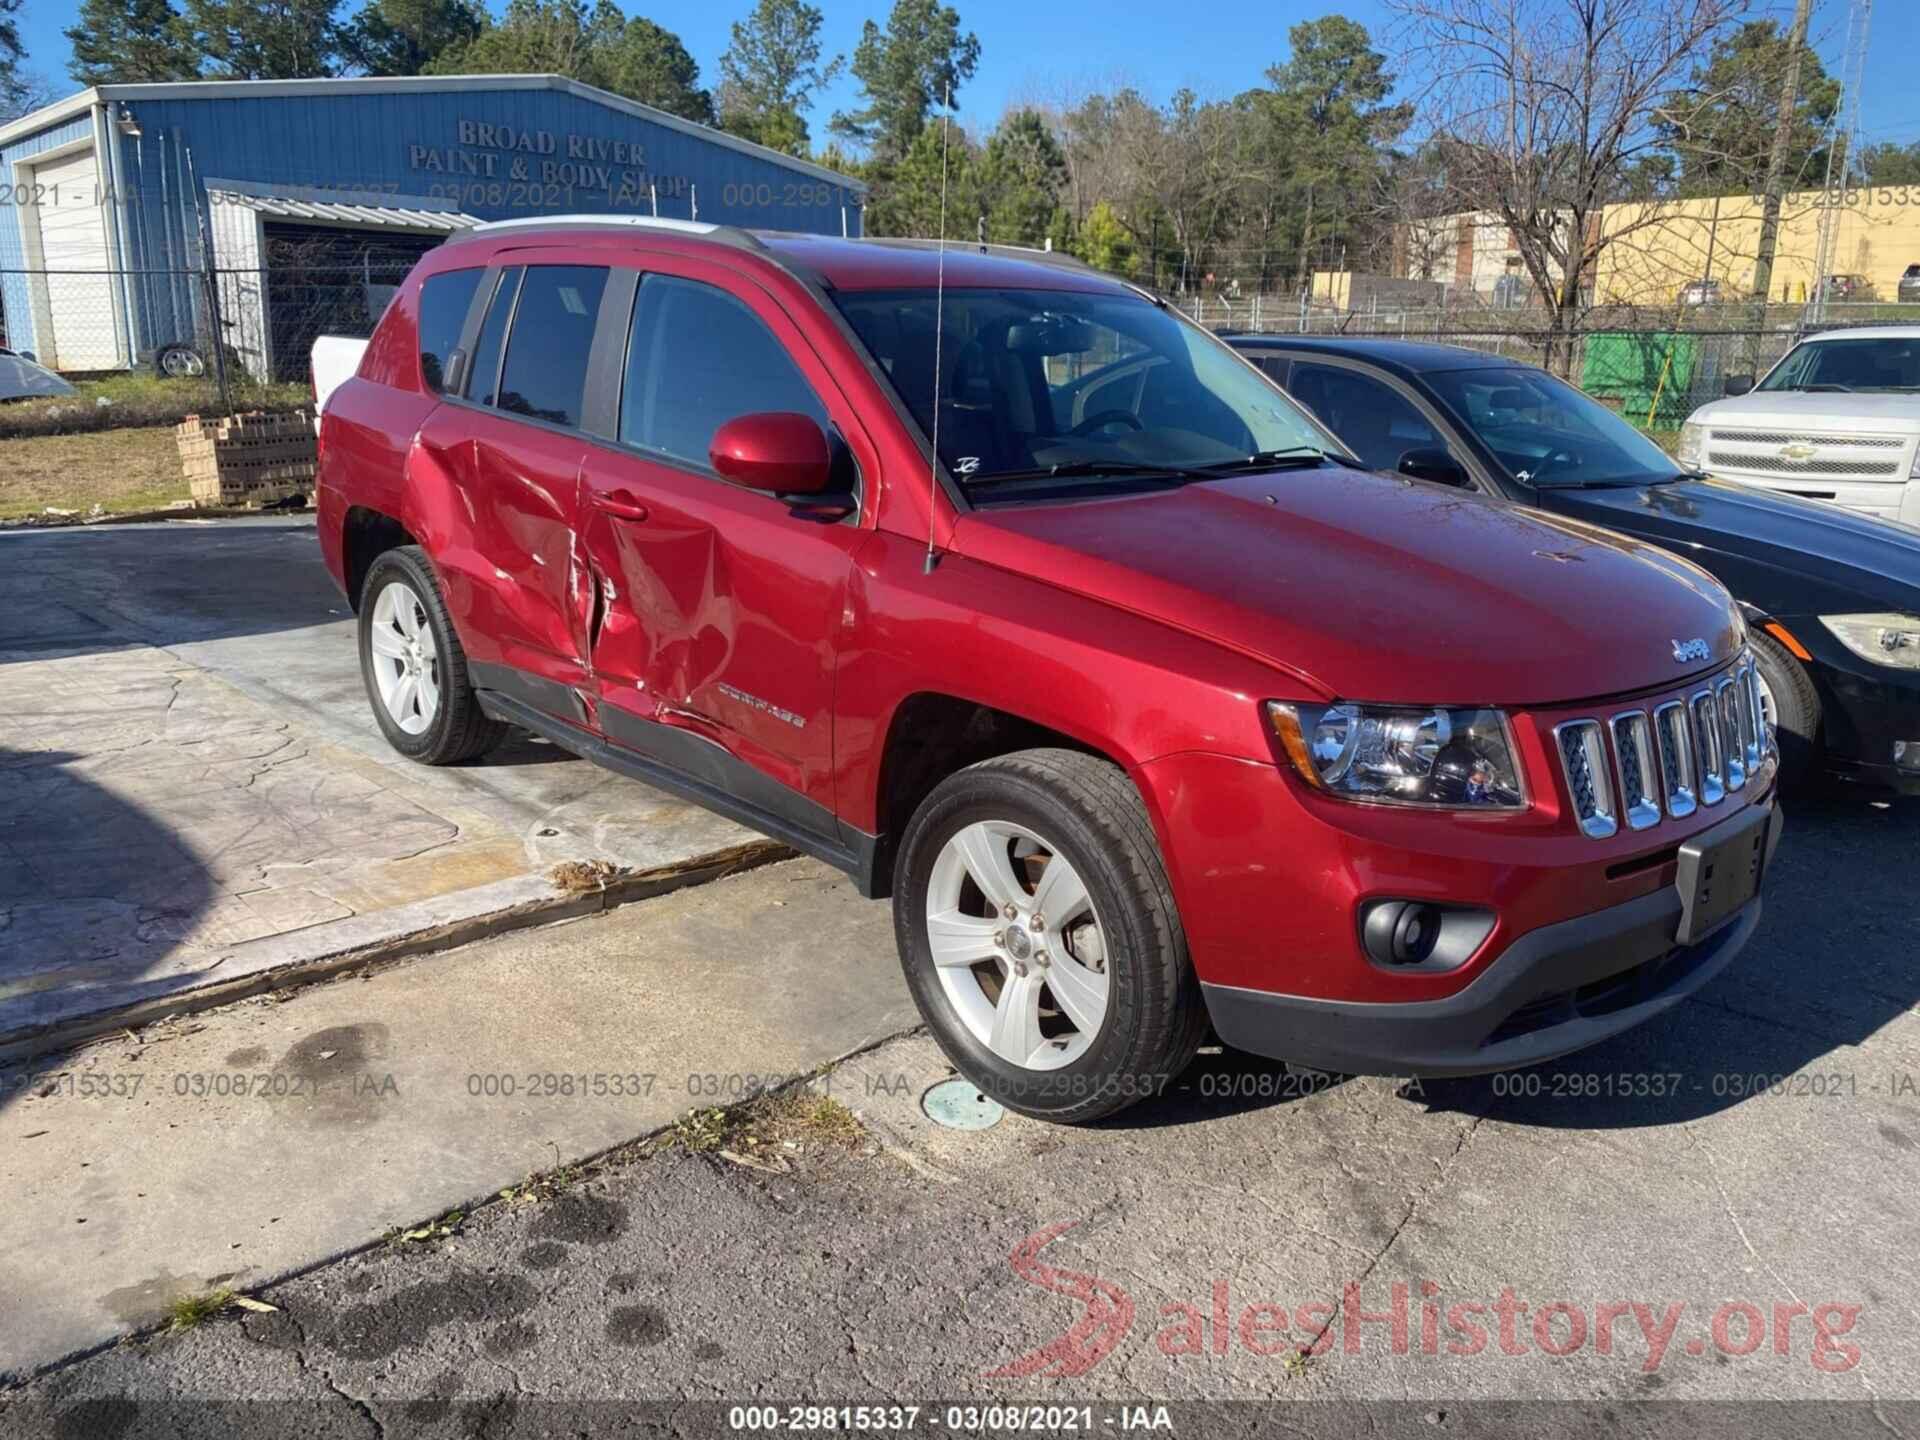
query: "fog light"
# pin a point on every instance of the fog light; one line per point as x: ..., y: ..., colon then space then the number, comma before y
x: 1417, y: 934
x: 1401, y: 932
x: 1906, y: 755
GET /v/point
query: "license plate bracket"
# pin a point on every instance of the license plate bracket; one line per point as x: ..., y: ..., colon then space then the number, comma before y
x: 1720, y: 871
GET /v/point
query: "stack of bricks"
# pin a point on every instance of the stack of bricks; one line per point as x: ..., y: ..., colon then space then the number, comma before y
x: 248, y: 460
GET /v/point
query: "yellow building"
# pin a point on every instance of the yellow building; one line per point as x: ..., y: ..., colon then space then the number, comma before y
x: 1654, y: 250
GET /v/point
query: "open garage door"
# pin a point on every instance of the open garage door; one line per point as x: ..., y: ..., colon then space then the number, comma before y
x: 80, y: 312
x: 329, y: 280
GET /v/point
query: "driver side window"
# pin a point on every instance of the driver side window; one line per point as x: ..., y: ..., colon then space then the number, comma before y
x: 698, y: 358
x: 1375, y: 420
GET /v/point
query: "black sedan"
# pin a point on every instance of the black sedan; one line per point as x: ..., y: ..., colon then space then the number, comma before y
x: 1832, y: 597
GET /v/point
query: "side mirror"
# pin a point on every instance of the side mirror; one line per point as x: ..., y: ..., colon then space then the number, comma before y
x: 28, y: 356
x: 778, y: 451
x: 1435, y: 465
x: 1737, y: 385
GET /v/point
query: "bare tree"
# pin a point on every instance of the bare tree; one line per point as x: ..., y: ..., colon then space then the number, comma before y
x: 1540, y: 112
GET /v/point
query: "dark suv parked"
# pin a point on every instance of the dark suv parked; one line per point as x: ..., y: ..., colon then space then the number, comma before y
x: 1024, y: 600
x: 1832, y: 596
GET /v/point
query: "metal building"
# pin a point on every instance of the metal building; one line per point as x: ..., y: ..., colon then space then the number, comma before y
x: 143, y: 218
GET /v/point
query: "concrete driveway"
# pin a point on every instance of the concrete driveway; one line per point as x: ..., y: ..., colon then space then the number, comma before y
x: 1728, y: 1194
x: 192, y: 790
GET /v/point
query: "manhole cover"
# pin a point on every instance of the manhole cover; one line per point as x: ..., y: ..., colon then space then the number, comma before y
x: 959, y: 1105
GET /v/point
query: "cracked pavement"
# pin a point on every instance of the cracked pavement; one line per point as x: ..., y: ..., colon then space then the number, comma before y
x: 1650, y: 1190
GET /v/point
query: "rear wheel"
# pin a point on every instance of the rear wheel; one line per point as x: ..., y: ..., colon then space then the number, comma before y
x: 414, y: 668
x: 1791, y: 705
x: 178, y: 362
x: 1039, y: 936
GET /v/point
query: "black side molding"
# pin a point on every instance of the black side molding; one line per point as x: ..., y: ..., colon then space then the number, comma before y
x: 683, y: 764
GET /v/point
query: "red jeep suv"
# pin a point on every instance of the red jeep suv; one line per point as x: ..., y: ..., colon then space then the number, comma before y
x: 996, y: 583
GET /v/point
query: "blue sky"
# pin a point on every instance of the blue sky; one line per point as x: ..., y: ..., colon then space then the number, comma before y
x: 1045, y: 48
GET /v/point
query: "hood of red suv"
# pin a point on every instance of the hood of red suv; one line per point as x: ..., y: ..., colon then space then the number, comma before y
x: 1375, y: 588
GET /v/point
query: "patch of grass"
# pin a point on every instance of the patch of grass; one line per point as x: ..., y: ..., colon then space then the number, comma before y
x: 191, y: 1310
x: 443, y: 1228
x: 791, y: 1119
x: 121, y: 471
x: 543, y: 1185
x: 811, y: 1118
x: 135, y: 399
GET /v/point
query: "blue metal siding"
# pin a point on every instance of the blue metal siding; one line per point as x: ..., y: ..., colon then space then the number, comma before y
x: 13, y: 241
x: 411, y: 144
x: 366, y: 142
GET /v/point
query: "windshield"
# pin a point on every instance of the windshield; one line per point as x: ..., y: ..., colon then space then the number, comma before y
x: 1547, y: 433
x: 1884, y: 363
x: 1033, y: 381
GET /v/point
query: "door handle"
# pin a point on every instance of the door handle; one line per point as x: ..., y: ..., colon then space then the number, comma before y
x: 619, y: 503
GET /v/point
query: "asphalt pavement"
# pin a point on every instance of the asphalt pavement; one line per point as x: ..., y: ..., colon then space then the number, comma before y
x: 1707, y: 1226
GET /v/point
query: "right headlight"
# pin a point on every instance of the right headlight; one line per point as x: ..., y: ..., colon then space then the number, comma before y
x: 1455, y: 759
x: 1692, y: 447
x: 1886, y: 639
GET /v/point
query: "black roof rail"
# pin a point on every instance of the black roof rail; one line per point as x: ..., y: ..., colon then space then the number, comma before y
x: 1009, y: 252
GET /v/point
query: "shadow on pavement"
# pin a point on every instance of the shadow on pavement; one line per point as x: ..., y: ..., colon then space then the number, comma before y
x: 79, y: 590
x: 84, y: 874
x: 1830, y: 966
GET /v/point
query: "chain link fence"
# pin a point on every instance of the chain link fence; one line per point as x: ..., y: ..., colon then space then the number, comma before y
x: 141, y: 347
x: 1655, y: 364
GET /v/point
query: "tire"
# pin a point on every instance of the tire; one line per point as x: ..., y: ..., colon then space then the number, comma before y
x: 405, y: 633
x: 178, y: 362
x: 1796, y: 718
x: 1123, y: 939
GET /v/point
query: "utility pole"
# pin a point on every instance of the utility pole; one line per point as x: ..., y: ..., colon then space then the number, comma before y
x: 1777, y: 160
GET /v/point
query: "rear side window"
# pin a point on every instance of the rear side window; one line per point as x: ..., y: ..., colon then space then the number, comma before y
x: 485, y: 370
x: 444, y: 301
x: 698, y: 358
x: 545, y: 376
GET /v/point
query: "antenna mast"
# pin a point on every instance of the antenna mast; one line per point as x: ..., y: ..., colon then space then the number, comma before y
x: 939, y: 321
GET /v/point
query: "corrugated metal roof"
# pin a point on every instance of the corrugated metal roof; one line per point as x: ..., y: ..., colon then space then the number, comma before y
x: 338, y: 212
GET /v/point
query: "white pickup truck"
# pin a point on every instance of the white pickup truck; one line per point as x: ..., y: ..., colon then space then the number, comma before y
x: 335, y: 359
x: 1838, y: 419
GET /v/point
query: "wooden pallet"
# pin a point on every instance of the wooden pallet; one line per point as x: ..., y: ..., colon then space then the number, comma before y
x: 247, y: 460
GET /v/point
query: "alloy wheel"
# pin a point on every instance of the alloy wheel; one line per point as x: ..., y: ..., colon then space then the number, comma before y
x: 406, y: 659
x: 1019, y: 949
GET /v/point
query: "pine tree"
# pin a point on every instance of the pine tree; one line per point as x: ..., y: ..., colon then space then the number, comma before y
x: 404, y: 37
x: 770, y: 73
x: 130, y: 42
x: 917, y: 63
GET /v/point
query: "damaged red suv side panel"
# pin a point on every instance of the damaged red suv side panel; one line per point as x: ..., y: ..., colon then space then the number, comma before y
x: 998, y: 584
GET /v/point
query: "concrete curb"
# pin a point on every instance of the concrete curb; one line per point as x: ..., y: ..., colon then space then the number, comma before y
x: 383, y: 937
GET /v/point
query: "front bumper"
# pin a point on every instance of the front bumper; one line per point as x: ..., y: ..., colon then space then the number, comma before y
x: 1865, y: 709
x: 1552, y: 991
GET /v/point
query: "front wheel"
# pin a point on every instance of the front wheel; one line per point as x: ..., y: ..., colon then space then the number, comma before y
x: 414, y: 668
x: 1039, y: 936
x: 1791, y: 705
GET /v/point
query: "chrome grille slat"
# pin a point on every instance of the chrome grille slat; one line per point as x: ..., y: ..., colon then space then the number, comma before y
x: 1755, y: 735
x: 1633, y: 754
x: 1784, y: 437
x: 1708, y: 755
x: 1583, y: 758
x: 1676, y: 758
x: 1733, y: 750
x: 1691, y: 747
x: 1780, y: 465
